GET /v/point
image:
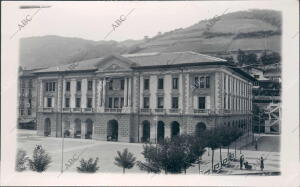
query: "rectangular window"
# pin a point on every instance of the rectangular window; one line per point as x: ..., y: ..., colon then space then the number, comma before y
x: 122, y: 84
x: 22, y: 112
x: 161, y: 83
x: 122, y: 102
x: 110, y: 102
x: 228, y: 84
x: 174, y: 102
x: 49, y: 102
x: 160, y: 102
x: 68, y: 86
x: 225, y: 101
x: 28, y: 111
x: 201, y: 102
x: 116, y: 102
x: 67, y: 102
x: 175, y: 83
x: 30, y: 83
x: 201, y: 82
x: 78, y: 102
x: 228, y: 102
x: 224, y: 83
x: 29, y: 103
x: 146, y: 84
x: 146, y: 102
x: 207, y: 82
x: 110, y: 84
x: 90, y: 85
x: 89, y: 102
x: 50, y: 86
x: 23, y: 83
x: 78, y: 86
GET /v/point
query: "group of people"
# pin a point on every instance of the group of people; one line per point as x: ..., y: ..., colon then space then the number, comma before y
x: 246, y: 164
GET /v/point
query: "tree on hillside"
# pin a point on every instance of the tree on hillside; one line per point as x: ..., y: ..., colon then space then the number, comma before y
x: 270, y: 58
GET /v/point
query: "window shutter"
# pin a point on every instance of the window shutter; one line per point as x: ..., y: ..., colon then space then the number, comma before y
x: 207, y: 102
x: 53, y: 102
x: 45, y: 102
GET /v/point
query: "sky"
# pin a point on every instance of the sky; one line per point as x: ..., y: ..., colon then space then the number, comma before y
x: 94, y: 20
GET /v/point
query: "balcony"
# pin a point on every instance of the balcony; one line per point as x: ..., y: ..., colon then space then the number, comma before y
x: 76, y: 110
x: 201, y: 111
x: 88, y: 110
x: 145, y: 110
x: 160, y: 110
x: 66, y: 110
x: 113, y: 110
x: 47, y: 109
x: 174, y: 110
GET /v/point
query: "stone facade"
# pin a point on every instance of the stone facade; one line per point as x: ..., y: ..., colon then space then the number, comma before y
x: 118, y: 102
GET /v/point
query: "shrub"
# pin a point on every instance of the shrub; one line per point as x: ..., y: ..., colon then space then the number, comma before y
x: 126, y: 160
x: 40, y: 161
x: 88, y: 166
x: 21, y: 160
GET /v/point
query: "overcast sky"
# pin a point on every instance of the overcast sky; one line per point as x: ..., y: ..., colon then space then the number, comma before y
x: 94, y: 20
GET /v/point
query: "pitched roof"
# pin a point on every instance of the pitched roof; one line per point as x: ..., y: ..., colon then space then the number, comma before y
x: 138, y: 60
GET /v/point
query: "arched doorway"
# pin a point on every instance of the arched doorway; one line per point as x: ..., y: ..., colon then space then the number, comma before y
x: 175, y: 129
x: 67, y: 128
x: 200, y: 128
x: 160, y: 131
x: 89, y: 129
x: 112, y: 130
x: 77, y: 130
x: 146, y: 131
x: 47, y: 127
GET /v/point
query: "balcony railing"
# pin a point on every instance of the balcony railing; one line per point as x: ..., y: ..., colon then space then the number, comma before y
x: 160, y: 110
x: 201, y: 111
x: 145, y: 110
x: 47, y: 109
x: 88, y: 110
x: 66, y: 110
x: 113, y: 110
x: 76, y: 110
x: 174, y: 110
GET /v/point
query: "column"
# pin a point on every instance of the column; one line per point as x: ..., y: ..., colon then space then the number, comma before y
x: 83, y: 93
x: 41, y: 103
x: 153, y: 130
x: 103, y: 92
x: 83, y: 129
x: 129, y: 93
x: 126, y: 92
x: 94, y: 94
x: 168, y: 131
x: 141, y: 132
x: 72, y: 128
x: 63, y: 93
x: 72, y: 93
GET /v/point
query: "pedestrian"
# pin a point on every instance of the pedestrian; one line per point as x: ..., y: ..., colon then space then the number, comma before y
x: 261, y: 163
x: 241, y: 161
x: 256, y: 144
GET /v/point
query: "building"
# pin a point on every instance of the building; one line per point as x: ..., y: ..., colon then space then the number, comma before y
x: 142, y: 97
x: 27, y: 99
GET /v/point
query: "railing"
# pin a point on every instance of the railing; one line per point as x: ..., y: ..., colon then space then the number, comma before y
x: 66, y: 110
x: 174, y: 110
x: 114, y: 110
x: 48, y: 110
x: 88, y: 109
x: 201, y: 111
x: 145, y: 110
x: 76, y: 110
x: 159, y: 110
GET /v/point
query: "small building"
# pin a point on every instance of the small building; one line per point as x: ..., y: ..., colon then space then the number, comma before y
x: 142, y: 97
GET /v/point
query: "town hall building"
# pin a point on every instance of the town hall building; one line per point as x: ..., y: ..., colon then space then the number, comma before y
x: 142, y: 97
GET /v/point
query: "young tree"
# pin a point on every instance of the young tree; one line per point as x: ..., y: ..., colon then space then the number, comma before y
x: 126, y: 160
x: 40, y: 161
x: 88, y: 166
x: 213, y: 138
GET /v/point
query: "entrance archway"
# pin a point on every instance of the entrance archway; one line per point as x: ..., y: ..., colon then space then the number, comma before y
x: 47, y: 127
x: 175, y: 129
x: 112, y: 130
x: 146, y: 131
x: 160, y: 131
x: 200, y: 128
x: 89, y: 129
x: 77, y: 130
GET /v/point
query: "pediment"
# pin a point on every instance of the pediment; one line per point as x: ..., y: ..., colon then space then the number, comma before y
x: 114, y: 64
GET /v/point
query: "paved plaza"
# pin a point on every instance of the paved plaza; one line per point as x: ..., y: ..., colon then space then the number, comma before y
x: 106, y: 151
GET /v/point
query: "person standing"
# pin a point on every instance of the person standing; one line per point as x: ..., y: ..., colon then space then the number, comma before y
x: 241, y: 161
x: 256, y: 144
x: 261, y: 163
